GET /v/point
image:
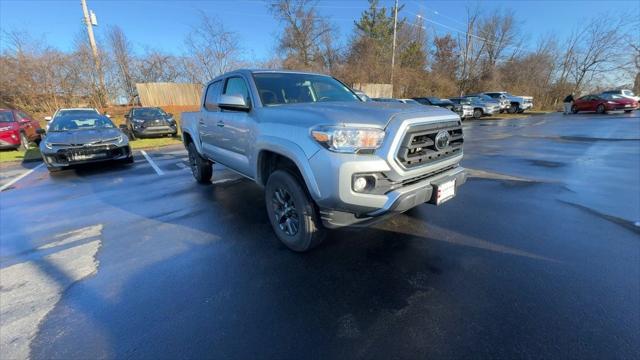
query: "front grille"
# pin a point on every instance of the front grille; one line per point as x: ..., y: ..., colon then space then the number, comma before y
x: 156, y: 122
x: 89, y: 153
x: 418, y: 146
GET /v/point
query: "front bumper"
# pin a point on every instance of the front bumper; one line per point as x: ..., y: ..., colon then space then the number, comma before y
x: 82, y: 155
x: 154, y: 130
x: 526, y: 106
x: 398, y: 201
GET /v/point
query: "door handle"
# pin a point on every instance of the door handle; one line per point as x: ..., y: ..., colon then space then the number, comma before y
x: 220, y: 123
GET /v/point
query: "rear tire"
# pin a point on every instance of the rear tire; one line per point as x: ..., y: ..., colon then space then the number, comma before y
x: 574, y: 109
x: 600, y: 109
x: 477, y: 114
x: 53, y: 169
x: 24, y: 142
x: 201, y: 168
x: 292, y: 214
x: 513, y: 108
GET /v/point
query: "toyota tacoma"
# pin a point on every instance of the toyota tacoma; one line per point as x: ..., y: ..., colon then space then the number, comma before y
x: 325, y: 158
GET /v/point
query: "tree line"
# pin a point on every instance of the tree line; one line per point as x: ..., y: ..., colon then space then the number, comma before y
x: 486, y: 51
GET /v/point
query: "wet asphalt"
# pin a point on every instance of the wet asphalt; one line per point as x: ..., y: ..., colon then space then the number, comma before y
x: 538, y: 256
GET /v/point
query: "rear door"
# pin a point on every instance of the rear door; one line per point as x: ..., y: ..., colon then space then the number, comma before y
x: 234, y: 127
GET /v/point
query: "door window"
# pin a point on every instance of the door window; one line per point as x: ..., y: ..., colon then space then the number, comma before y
x: 211, y: 96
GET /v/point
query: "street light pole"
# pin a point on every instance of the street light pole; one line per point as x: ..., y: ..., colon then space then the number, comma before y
x: 393, y: 51
x: 94, y: 49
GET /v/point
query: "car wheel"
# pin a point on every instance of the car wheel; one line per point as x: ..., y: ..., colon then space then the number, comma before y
x: 628, y: 111
x: 574, y: 109
x: 24, y: 141
x: 201, y: 168
x: 53, y: 169
x: 477, y: 114
x: 600, y: 109
x: 293, y: 215
x: 513, y: 108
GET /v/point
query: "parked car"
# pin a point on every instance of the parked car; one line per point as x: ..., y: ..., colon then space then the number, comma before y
x: 390, y: 100
x: 409, y: 101
x: 500, y: 98
x: 81, y: 138
x: 464, y: 111
x: 480, y: 107
x: 70, y: 111
x: 434, y: 101
x: 17, y: 129
x: 362, y: 95
x: 603, y: 102
x: 518, y: 104
x: 325, y: 158
x: 624, y: 93
x: 149, y: 121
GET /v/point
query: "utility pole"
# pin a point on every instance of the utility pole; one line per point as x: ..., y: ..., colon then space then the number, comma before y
x: 393, y: 52
x: 94, y: 49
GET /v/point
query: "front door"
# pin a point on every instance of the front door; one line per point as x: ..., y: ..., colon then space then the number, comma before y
x: 208, y: 120
x: 234, y: 128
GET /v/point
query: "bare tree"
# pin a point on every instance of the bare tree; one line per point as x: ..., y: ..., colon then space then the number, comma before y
x: 307, y: 38
x: 124, y: 60
x: 212, y: 49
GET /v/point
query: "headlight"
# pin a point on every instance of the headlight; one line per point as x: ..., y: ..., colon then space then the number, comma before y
x: 348, y: 139
x: 120, y: 139
x: 48, y: 145
x: 137, y: 121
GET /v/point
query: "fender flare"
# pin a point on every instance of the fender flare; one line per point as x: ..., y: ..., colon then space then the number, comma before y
x: 291, y: 151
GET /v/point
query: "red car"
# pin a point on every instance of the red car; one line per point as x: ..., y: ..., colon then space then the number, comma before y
x: 17, y: 129
x: 603, y: 103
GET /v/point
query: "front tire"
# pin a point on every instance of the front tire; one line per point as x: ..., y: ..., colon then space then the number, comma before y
x: 574, y: 109
x: 201, y: 168
x: 513, y: 108
x: 477, y: 114
x: 292, y: 214
x: 600, y: 109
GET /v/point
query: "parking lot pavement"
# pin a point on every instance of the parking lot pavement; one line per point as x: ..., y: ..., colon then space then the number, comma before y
x: 537, y: 256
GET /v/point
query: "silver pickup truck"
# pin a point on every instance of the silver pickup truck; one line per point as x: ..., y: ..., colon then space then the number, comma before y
x: 325, y: 158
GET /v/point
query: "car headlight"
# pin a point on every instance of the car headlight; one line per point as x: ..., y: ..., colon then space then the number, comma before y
x: 48, y: 145
x: 348, y: 139
x: 137, y: 121
x: 120, y: 139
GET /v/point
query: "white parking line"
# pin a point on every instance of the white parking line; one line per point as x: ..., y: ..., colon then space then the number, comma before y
x: 15, y: 180
x: 153, y: 164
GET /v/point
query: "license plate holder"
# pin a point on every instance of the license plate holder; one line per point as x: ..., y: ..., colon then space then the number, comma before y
x: 444, y: 191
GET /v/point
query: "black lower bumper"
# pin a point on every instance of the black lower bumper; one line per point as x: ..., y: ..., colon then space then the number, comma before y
x: 70, y: 157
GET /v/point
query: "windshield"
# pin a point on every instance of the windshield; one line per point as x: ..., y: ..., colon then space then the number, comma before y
x: 463, y: 101
x: 76, y: 122
x: 291, y: 88
x: 148, y: 113
x: 77, y: 112
x: 6, y: 116
x: 434, y: 99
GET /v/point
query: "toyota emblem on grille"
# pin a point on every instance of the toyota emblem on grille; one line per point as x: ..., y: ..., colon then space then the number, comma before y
x: 442, y: 139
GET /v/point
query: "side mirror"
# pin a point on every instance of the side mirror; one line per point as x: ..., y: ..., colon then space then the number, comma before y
x: 41, y: 131
x: 126, y: 116
x: 47, y: 118
x: 233, y: 102
x: 123, y: 127
x: 169, y: 114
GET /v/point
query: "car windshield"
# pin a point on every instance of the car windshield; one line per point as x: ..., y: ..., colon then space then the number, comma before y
x: 434, y: 99
x: 77, y: 112
x: 411, y: 101
x: 6, y: 116
x: 292, y: 88
x: 79, y: 122
x: 463, y: 101
x: 148, y: 113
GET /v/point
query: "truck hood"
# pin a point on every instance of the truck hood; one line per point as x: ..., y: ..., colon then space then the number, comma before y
x: 372, y: 113
x: 81, y: 137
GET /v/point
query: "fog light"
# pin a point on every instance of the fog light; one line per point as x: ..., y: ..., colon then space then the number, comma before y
x: 359, y: 184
